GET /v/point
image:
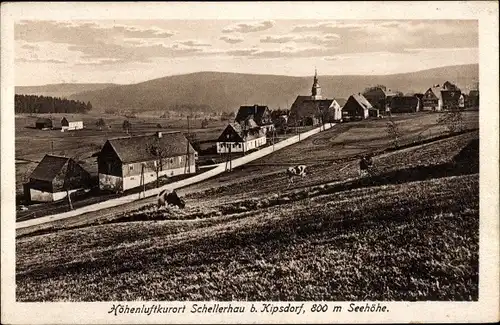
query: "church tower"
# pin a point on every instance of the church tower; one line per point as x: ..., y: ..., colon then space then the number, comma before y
x: 316, y: 89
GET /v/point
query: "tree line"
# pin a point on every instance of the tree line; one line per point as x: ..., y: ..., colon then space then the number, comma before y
x: 46, y: 104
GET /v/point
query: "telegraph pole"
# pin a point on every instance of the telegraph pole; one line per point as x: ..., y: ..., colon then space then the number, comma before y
x: 188, y: 160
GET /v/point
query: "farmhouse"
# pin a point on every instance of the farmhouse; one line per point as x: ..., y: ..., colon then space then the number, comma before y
x: 379, y: 97
x: 67, y: 125
x: 258, y: 113
x: 240, y: 138
x: 314, y: 109
x: 53, y: 176
x: 405, y: 104
x: 358, y: 107
x: 432, y: 100
x: 43, y: 124
x: 128, y: 162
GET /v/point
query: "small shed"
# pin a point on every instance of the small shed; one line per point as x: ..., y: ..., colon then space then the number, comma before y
x: 43, y: 123
x: 55, y: 175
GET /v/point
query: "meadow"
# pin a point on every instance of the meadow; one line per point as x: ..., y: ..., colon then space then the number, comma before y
x: 31, y: 144
x: 406, y: 233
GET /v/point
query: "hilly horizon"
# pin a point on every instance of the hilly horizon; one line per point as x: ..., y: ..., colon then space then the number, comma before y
x: 224, y: 91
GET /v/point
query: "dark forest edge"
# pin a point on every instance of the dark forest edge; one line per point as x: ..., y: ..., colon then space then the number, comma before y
x: 46, y: 105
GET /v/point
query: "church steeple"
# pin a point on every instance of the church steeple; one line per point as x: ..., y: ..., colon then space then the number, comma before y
x: 316, y: 89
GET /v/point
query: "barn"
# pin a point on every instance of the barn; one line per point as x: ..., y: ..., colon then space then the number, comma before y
x: 240, y: 138
x: 68, y: 125
x: 43, y: 123
x: 260, y: 114
x: 405, y: 104
x: 53, y: 176
x: 356, y: 107
x: 128, y: 162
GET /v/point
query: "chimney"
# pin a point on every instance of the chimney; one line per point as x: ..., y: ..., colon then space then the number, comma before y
x: 159, y: 134
x: 255, y: 108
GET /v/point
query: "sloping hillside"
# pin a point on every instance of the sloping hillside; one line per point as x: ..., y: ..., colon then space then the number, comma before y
x: 219, y: 91
x: 60, y: 90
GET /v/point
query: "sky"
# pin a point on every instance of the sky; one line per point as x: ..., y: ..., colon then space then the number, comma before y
x: 132, y: 51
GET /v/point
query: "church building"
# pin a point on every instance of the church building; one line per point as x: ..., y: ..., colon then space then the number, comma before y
x: 314, y: 109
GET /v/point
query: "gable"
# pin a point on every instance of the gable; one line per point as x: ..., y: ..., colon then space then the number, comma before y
x: 230, y: 134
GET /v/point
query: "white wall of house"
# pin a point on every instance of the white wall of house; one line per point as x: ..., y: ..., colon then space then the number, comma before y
x: 150, y: 176
x: 76, y: 125
x: 223, y: 147
x: 41, y: 196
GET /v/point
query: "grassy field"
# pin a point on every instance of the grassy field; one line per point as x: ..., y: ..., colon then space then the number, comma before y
x: 32, y: 144
x: 409, y: 233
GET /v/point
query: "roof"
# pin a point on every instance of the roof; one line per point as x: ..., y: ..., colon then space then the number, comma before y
x: 245, y: 135
x: 474, y: 93
x: 404, y: 101
x: 135, y: 149
x: 436, y: 91
x: 249, y: 123
x: 70, y: 119
x: 43, y: 120
x: 362, y: 101
x: 341, y: 101
x: 49, y: 167
x: 256, y: 110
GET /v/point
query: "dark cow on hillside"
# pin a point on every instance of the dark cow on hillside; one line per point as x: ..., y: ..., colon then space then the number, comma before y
x: 296, y: 171
x: 365, y: 165
x: 166, y: 198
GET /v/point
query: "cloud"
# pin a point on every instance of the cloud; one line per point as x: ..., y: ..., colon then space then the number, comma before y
x: 194, y: 43
x: 232, y: 39
x: 81, y: 33
x: 249, y: 27
x: 325, y: 40
x: 24, y: 60
x: 30, y: 47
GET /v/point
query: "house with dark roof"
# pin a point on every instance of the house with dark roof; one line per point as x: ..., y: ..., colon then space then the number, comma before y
x: 43, y: 123
x: 54, y: 177
x: 314, y: 109
x: 129, y: 162
x: 432, y: 100
x: 240, y: 138
x: 260, y: 114
x: 405, y: 104
x: 379, y: 97
x: 358, y: 107
x: 67, y: 125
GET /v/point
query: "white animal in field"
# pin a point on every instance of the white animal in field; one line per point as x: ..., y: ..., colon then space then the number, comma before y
x: 296, y: 171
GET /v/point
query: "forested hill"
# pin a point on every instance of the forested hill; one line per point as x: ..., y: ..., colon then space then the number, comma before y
x: 46, y: 104
x: 217, y: 91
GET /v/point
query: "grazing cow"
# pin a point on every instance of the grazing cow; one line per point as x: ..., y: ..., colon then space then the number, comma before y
x: 166, y: 198
x: 296, y: 171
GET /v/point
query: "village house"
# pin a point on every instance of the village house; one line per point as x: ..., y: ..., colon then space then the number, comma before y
x: 260, y: 114
x: 43, y: 123
x: 463, y: 101
x: 432, y: 100
x: 241, y: 138
x: 68, y: 125
x: 379, y: 97
x: 129, y: 162
x: 405, y: 104
x: 313, y: 110
x: 358, y: 107
x: 54, y: 177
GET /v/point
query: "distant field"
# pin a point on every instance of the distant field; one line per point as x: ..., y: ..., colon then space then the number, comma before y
x: 32, y: 144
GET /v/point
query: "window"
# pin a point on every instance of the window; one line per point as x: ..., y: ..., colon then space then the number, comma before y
x: 171, y: 160
x: 131, y: 167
